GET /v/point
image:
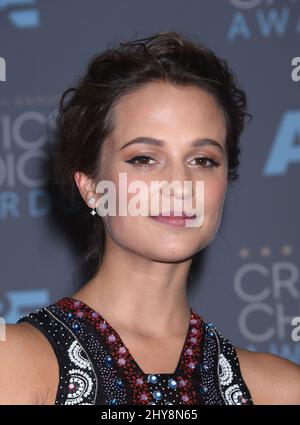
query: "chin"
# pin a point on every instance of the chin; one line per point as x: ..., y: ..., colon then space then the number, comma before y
x: 171, y: 254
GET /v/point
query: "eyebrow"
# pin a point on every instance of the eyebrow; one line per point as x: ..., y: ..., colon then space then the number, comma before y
x: 157, y: 142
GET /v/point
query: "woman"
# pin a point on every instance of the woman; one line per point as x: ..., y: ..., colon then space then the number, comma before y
x: 161, y: 109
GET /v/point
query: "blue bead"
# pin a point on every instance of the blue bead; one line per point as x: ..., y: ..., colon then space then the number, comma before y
x: 75, y: 326
x: 157, y: 395
x: 108, y: 360
x: 172, y: 383
x: 203, y: 390
x: 153, y: 379
x: 209, y: 329
x: 112, y: 401
x: 203, y: 367
x: 119, y: 383
x: 70, y: 315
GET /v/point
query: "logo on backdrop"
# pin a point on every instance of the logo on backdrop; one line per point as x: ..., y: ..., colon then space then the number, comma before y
x: 20, y: 13
x: 285, y: 149
x: 17, y: 303
x: 263, y: 18
x: 250, y: 4
x: 270, y: 294
x: 23, y: 140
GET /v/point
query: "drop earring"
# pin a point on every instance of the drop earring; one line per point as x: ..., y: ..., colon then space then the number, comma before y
x: 91, y: 201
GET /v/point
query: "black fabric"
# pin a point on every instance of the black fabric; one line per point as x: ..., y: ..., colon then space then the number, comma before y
x: 96, y: 367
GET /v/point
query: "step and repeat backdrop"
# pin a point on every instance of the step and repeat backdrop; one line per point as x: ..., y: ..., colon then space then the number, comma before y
x: 247, y: 280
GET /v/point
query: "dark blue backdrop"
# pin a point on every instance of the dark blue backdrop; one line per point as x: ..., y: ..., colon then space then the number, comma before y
x: 247, y: 282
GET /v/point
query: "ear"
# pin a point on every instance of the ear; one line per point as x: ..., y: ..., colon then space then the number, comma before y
x: 85, y: 184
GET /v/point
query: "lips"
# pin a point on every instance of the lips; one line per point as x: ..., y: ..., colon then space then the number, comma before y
x: 173, y: 220
x: 179, y: 215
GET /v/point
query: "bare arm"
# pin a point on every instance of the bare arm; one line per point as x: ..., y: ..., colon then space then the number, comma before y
x: 28, y: 367
x: 271, y: 379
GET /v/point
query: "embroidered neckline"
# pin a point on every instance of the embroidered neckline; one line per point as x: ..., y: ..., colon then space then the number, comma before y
x: 189, y: 355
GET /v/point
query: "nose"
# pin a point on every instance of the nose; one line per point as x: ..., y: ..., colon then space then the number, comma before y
x: 181, y: 185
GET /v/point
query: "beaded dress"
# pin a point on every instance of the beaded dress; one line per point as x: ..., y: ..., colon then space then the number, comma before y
x: 95, y: 366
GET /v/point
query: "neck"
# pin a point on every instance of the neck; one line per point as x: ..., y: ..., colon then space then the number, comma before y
x: 137, y: 293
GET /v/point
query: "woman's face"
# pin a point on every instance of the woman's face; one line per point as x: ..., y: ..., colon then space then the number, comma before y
x: 178, y: 116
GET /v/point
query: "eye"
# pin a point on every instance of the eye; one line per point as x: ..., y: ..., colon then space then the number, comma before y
x: 213, y: 163
x: 143, y: 160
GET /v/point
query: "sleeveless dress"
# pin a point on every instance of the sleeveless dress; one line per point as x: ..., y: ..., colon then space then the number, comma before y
x: 95, y: 366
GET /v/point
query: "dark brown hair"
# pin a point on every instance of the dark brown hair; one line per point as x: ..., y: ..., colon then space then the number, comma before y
x: 85, y: 118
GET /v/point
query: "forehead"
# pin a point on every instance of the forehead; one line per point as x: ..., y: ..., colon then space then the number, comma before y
x: 170, y: 112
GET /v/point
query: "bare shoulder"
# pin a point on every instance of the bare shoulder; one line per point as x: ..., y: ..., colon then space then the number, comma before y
x: 271, y: 379
x: 27, y: 356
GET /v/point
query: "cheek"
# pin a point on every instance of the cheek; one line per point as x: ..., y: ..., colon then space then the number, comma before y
x: 134, y: 194
x: 120, y: 227
x: 214, y: 196
x: 127, y: 204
